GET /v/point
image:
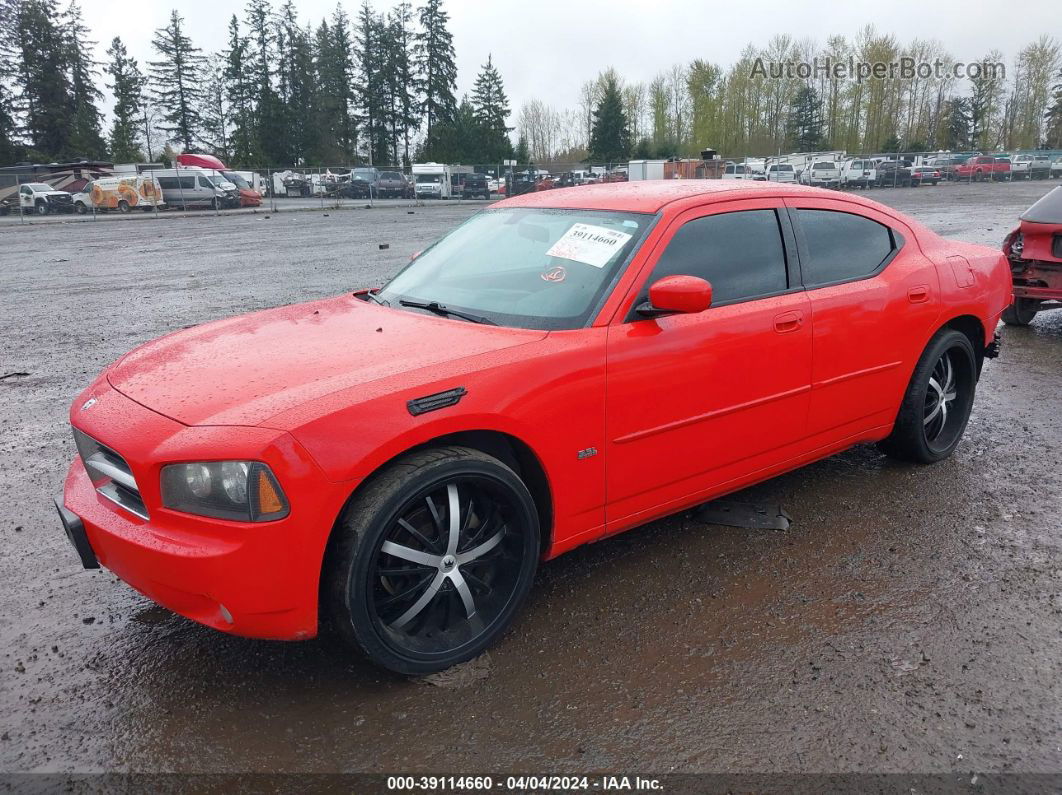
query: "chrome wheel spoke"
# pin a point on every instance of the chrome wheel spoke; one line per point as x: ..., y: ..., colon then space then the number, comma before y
x: 417, y: 534
x: 424, y: 578
x: 449, y: 564
x: 482, y: 549
x: 424, y: 600
x: 933, y: 414
x: 455, y: 518
x: 410, y: 554
x: 463, y: 591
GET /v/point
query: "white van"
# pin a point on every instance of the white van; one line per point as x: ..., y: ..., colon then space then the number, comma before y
x: 780, y: 172
x: 432, y: 181
x: 738, y: 171
x: 196, y: 187
x: 121, y: 193
x: 858, y: 173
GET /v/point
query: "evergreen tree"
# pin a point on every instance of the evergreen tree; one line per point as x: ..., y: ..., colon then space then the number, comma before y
x: 804, y: 125
x: 214, y: 111
x: 491, y: 108
x: 522, y: 155
x: 176, y: 82
x: 45, y: 100
x: 10, y: 149
x: 335, y: 78
x: 957, y: 124
x: 126, y: 85
x: 1053, y: 117
x: 86, y: 137
x: 891, y: 145
x: 298, y: 88
x: 456, y: 140
x: 434, y: 64
x: 372, y: 45
x: 610, y: 135
x: 270, y: 117
x: 401, y: 92
x: 239, y: 93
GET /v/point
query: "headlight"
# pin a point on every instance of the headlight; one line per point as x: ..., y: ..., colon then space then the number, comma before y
x: 244, y: 491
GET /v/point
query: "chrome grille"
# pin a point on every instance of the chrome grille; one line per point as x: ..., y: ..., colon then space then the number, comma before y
x: 110, y: 474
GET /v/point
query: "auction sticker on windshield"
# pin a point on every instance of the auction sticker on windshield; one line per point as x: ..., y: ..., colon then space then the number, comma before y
x: 593, y: 245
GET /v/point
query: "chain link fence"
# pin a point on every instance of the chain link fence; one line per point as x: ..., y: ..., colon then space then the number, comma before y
x: 157, y: 191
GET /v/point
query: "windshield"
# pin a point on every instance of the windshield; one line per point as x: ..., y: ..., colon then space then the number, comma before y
x: 391, y: 175
x: 525, y: 267
x: 824, y: 165
x: 38, y: 186
x: 236, y: 179
x: 423, y: 179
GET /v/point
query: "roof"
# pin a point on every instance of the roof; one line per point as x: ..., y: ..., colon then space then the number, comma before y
x: 649, y: 196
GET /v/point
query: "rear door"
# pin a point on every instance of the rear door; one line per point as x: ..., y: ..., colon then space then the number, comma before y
x: 698, y: 400
x: 874, y: 299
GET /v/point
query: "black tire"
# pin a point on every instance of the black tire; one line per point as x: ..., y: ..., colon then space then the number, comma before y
x: 930, y: 425
x: 42, y: 208
x: 1021, y: 312
x: 123, y: 207
x: 418, y: 616
x: 80, y: 208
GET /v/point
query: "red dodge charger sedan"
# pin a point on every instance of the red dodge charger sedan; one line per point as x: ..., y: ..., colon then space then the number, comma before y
x: 563, y: 366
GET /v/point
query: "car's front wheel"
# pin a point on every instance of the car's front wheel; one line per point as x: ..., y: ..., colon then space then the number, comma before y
x: 937, y: 404
x: 431, y: 559
x: 1021, y: 312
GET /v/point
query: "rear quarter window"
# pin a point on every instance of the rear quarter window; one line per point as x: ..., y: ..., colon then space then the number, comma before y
x: 842, y: 246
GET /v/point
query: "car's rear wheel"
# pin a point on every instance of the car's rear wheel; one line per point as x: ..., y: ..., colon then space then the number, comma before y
x: 123, y: 207
x: 937, y: 404
x: 431, y: 560
x: 1021, y: 312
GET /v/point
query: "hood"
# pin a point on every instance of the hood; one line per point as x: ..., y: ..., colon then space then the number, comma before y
x: 244, y: 370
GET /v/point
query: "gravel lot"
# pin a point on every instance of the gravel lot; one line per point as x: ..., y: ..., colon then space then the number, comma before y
x: 910, y: 621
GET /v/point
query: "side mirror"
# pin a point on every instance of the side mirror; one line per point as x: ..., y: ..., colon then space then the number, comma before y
x: 677, y: 295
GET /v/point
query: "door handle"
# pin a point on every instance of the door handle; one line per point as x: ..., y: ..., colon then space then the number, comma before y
x: 918, y: 295
x: 788, y: 321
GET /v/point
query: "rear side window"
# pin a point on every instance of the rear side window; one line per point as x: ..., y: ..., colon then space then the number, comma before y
x: 740, y: 253
x: 842, y: 246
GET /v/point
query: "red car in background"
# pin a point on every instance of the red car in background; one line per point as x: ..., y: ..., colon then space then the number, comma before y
x: 399, y: 460
x: 982, y: 167
x: 1034, y: 250
x: 249, y: 197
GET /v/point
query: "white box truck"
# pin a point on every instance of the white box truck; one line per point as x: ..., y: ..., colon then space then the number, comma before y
x: 645, y: 169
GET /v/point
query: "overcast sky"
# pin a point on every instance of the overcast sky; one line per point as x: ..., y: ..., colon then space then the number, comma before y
x: 546, y: 48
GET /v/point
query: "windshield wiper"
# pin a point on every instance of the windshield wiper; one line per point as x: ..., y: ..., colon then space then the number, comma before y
x: 439, y: 309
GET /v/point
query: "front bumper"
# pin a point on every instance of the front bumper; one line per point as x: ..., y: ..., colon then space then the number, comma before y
x: 253, y: 579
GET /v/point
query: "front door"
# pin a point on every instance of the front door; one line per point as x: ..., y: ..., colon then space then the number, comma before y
x: 699, y: 400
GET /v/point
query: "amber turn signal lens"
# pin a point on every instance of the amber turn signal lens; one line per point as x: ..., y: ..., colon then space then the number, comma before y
x: 269, y: 501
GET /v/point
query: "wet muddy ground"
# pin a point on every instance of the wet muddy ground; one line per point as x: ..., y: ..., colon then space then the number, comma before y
x: 910, y: 620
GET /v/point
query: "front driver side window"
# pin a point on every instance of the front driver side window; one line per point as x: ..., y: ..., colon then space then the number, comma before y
x: 739, y: 253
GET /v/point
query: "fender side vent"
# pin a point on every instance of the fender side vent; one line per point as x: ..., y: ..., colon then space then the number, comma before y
x: 440, y: 400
